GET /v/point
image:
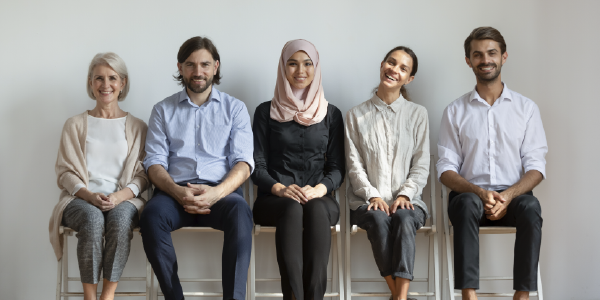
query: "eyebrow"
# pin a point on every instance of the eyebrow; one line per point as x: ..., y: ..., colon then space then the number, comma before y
x: 308, y: 59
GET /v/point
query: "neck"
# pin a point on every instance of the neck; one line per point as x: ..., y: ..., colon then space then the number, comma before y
x: 490, y: 90
x: 107, y: 111
x: 201, y: 98
x: 388, y: 96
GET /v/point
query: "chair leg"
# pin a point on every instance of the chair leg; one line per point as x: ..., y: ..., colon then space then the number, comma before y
x: 340, y: 270
x: 148, y: 280
x: 65, y: 265
x: 334, y: 282
x: 430, y: 267
x: 539, y: 281
x: 58, y: 278
x: 449, y: 262
x: 436, y: 266
x: 348, y: 273
x: 253, y: 269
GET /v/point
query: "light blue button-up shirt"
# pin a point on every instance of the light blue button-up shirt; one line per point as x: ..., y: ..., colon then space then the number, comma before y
x: 199, y: 143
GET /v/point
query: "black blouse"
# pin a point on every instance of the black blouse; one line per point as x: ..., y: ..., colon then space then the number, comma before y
x: 288, y: 153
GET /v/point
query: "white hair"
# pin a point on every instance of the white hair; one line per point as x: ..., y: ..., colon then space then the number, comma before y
x: 116, y: 63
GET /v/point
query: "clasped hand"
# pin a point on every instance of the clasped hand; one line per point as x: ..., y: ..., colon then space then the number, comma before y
x: 103, y: 202
x: 302, y: 194
x: 198, y: 198
x: 494, y: 204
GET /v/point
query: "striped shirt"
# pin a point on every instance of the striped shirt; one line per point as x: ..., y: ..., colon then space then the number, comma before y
x: 199, y: 143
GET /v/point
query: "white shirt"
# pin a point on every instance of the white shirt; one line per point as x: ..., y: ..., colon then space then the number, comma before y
x: 387, y: 151
x: 106, y: 151
x: 492, y: 146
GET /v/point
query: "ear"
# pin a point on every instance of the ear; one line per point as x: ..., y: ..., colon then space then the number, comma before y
x: 179, y: 68
x: 468, y: 62
x: 410, y: 79
x: 216, y: 67
x: 504, y: 57
x: 123, y: 83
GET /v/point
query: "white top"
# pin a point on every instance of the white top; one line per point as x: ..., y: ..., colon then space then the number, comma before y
x: 387, y: 151
x: 106, y: 151
x: 492, y: 146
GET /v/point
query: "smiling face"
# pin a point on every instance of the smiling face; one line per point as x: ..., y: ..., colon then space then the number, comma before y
x: 299, y: 70
x: 106, y: 84
x: 198, y: 71
x: 486, y: 59
x: 395, y: 70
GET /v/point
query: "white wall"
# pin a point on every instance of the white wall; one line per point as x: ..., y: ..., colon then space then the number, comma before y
x: 46, y: 46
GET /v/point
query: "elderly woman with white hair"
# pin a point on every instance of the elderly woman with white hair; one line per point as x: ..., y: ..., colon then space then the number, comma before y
x: 99, y: 171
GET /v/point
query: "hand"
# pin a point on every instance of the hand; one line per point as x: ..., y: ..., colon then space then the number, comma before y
x: 310, y: 192
x: 497, y: 212
x: 490, y: 199
x: 119, y: 196
x: 100, y: 201
x: 180, y: 193
x: 378, y: 203
x: 293, y: 191
x: 203, y: 198
x: 401, y: 202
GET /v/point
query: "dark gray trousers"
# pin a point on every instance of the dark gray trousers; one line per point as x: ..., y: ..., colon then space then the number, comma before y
x: 95, y: 254
x: 467, y: 214
x: 392, y: 238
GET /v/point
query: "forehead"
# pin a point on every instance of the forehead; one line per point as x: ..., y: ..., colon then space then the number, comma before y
x: 300, y: 56
x: 103, y: 69
x: 484, y: 45
x: 401, y: 57
x: 200, y: 56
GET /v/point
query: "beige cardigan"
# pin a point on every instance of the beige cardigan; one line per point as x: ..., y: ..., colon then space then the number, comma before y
x: 71, y: 167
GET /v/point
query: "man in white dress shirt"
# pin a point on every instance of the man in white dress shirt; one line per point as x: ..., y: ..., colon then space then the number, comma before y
x: 492, y: 149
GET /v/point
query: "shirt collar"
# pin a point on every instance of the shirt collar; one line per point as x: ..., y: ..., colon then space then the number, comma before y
x: 214, y: 95
x: 506, y: 95
x: 382, y: 106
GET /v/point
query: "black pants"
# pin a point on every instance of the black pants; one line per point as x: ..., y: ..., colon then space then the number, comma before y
x: 302, y: 255
x: 467, y: 213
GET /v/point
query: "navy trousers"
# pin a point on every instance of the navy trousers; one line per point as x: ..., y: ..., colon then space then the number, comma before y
x: 467, y: 214
x: 232, y: 215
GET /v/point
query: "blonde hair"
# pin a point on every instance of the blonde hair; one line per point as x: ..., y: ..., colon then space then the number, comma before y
x: 117, y: 64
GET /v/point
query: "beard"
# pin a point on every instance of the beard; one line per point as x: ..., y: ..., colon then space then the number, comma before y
x: 197, y: 88
x: 488, y: 77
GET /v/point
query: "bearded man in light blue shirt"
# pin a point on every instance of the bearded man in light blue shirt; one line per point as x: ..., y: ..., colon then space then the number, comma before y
x: 199, y: 151
x: 492, y: 149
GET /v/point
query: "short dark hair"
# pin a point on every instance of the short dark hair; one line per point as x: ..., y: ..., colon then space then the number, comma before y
x: 413, y: 69
x: 484, y: 33
x: 192, y: 45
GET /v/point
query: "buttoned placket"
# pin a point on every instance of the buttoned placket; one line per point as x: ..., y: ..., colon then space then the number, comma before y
x: 302, y: 141
x: 197, y: 112
x: 388, y: 138
x: 492, y: 146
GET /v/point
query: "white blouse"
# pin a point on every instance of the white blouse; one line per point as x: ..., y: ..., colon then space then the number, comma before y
x: 387, y: 151
x: 106, y: 151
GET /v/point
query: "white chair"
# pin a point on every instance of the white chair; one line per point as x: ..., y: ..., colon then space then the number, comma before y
x: 62, y: 277
x: 434, y: 268
x: 449, y: 232
x: 336, y: 287
x: 154, y: 283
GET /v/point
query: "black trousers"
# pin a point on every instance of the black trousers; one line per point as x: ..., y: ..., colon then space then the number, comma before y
x: 302, y: 241
x: 467, y: 213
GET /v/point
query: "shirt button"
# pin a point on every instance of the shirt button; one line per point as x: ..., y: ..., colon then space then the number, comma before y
x: 197, y: 126
x: 198, y: 144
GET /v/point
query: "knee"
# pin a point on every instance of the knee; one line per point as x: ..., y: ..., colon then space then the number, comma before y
x: 152, y: 216
x: 376, y: 219
x: 466, y: 203
x: 529, y: 207
x: 292, y: 209
x: 316, y: 207
x: 404, y: 218
x: 92, y: 223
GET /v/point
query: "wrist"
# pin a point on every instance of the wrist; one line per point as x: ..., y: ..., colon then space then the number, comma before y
x: 276, y: 188
x: 322, y: 189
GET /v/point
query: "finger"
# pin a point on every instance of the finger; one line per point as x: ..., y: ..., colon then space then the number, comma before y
x: 387, y: 208
x: 411, y: 206
x: 299, y: 192
x: 394, y: 207
x: 370, y: 205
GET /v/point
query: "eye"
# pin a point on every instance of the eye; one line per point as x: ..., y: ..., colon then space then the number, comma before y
x: 308, y: 64
x: 292, y: 64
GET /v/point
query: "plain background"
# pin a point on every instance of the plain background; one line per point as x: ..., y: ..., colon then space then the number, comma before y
x: 46, y: 46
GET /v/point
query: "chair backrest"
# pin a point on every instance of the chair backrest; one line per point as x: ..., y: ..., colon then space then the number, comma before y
x: 432, y: 203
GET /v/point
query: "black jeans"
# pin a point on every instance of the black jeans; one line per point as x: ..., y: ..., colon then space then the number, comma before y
x: 392, y: 238
x: 302, y: 255
x: 467, y: 214
x: 231, y: 214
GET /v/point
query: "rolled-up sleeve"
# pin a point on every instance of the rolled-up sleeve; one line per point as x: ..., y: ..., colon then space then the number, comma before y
x: 157, y: 142
x: 448, y: 146
x: 534, y: 147
x: 357, y: 174
x: 241, y: 139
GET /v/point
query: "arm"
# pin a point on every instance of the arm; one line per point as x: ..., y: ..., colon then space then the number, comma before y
x: 419, y: 169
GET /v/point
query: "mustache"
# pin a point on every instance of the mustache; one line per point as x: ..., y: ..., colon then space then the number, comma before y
x: 198, y: 78
x: 486, y: 65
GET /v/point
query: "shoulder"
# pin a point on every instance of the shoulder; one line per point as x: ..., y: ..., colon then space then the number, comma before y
x: 524, y: 102
x: 170, y: 101
x: 233, y: 103
x: 136, y: 124
x: 75, y: 123
x: 360, y: 109
x: 417, y: 109
x: 333, y: 110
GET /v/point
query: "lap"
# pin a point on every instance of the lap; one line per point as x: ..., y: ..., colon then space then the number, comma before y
x: 269, y: 209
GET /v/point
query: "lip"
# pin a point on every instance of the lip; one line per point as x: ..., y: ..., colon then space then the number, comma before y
x: 300, y: 79
x: 390, y: 78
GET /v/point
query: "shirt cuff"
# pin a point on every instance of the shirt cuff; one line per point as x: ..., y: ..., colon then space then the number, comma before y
x: 371, y: 192
x: 134, y: 188
x: 77, y: 188
x: 408, y: 192
x: 151, y: 162
x: 249, y: 161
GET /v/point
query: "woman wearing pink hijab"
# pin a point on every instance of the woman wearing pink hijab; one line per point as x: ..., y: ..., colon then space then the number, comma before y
x: 299, y: 156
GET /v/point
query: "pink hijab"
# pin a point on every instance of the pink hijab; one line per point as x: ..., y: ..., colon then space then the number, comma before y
x: 285, y: 106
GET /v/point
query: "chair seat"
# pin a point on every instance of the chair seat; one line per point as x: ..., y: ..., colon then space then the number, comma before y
x: 491, y: 230
x: 425, y: 229
x: 259, y: 228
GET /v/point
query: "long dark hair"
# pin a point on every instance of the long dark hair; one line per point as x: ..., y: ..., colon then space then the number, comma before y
x: 414, y: 69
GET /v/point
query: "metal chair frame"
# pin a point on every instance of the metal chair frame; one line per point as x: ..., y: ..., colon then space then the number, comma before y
x: 449, y: 232
x: 336, y: 256
x: 434, y: 266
